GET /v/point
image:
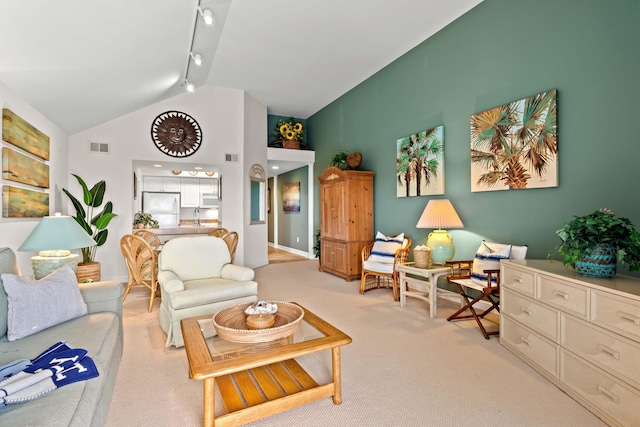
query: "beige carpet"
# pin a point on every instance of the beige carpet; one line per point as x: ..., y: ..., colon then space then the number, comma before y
x: 402, y: 369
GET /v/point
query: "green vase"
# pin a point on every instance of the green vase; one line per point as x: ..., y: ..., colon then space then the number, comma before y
x: 599, y: 261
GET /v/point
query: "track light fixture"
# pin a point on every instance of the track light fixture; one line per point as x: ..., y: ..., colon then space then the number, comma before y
x: 197, y: 58
x: 207, y: 15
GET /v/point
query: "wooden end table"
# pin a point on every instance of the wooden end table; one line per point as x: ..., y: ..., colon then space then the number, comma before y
x: 262, y: 379
x: 424, y: 287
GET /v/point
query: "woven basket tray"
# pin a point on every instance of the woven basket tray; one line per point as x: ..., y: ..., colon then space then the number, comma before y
x: 231, y: 324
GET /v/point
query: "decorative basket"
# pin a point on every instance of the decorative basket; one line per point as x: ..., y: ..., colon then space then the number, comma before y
x: 231, y: 323
x: 88, y: 272
x: 422, y: 257
x: 291, y: 144
x: 354, y: 160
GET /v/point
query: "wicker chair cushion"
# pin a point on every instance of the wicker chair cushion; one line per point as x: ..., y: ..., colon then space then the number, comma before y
x: 378, y: 267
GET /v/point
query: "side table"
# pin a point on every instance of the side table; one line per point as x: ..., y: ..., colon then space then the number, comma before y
x: 425, y: 286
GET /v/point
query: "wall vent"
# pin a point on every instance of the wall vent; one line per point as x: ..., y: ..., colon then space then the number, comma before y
x: 98, y: 147
x: 230, y: 157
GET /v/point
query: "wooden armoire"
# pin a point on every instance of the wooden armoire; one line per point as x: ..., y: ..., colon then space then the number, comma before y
x: 346, y: 220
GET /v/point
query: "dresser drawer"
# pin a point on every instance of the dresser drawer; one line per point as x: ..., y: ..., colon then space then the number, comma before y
x: 604, y: 349
x: 618, y: 314
x: 530, y: 313
x: 518, y: 280
x: 610, y: 395
x: 564, y: 296
x: 538, y: 350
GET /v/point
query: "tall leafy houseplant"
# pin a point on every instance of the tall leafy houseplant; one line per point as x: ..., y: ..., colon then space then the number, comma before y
x: 94, y: 224
x: 585, y: 234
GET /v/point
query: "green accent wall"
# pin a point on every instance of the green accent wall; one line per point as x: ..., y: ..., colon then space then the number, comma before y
x: 499, y: 52
x: 292, y: 225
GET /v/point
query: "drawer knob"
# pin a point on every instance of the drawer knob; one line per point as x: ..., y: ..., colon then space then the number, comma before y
x: 560, y: 294
x: 609, y: 351
x: 517, y: 279
x: 630, y: 317
x: 608, y: 394
x: 526, y: 341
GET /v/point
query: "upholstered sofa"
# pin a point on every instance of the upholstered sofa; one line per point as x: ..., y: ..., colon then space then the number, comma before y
x: 197, y: 278
x: 82, y: 403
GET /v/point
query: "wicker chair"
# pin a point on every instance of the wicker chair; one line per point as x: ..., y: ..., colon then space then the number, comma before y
x: 377, y: 275
x: 218, y: 232
x: 141, y: 263
x: 231, y: 239
x: 150, y: 237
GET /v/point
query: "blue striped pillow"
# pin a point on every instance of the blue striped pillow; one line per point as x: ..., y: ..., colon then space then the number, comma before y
x: 384, y: 248
x: 488, y: 258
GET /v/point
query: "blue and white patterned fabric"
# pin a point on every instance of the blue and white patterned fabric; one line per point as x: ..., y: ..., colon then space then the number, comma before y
x: 488, y: 257
x: 57, y: 366
x: 384, y: 248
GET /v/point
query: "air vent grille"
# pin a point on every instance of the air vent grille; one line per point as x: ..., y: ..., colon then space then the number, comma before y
x: 230, y: 157
x: 98, y: 147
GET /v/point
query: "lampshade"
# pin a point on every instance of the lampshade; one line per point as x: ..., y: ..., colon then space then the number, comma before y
x: 439, y: 214
x: 57, y: 232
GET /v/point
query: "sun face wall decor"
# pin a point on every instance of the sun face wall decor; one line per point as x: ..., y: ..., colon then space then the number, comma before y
x: 515, y: 146
x: 176, y: 134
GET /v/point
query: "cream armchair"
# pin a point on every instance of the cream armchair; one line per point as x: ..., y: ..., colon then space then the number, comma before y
x: 197, y: 278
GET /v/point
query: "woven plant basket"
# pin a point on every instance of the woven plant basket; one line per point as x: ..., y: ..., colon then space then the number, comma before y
x: 88, y: 272
x: 291, y: 144
x: 422, y: 258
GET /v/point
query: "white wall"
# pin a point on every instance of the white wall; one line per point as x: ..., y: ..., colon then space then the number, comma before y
x: 13, y: 231
x: 224, y: 121
x: 255, y: 137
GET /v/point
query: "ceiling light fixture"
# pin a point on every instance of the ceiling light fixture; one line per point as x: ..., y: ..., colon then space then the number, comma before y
x: 197, y: 58
x: 207, y: 17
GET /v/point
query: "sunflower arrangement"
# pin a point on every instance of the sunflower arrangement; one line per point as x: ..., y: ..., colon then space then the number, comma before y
x: 289, y: 130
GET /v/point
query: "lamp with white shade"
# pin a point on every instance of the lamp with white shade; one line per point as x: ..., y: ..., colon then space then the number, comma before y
x: 53, y: 237
x: 439, y: 214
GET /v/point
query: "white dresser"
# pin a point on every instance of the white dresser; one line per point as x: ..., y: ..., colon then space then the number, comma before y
x: 582, y: 334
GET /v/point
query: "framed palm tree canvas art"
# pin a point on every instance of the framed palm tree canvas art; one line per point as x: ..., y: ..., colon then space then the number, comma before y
x: 515, y: 146
x: 420, y: 163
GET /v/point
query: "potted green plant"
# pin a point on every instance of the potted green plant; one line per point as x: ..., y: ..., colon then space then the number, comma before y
x: 592, y: 243
x: 94, y: 224
x: 144, y: 220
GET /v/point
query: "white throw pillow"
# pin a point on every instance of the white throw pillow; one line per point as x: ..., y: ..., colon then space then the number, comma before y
x: 35, y: 305
x: 488, y: 257
x: 384, y: 248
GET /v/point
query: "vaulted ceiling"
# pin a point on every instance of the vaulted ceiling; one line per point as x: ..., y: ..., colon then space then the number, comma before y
x: 82, y: 63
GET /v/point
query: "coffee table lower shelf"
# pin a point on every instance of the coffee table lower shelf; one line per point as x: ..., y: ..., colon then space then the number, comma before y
x: 274, y: 388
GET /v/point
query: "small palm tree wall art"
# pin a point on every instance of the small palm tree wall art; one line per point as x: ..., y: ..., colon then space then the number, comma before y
x: 420, y: 163
x: 515, y: 146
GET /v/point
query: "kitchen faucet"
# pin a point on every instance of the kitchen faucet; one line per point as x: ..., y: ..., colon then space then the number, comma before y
x: 196, y: 215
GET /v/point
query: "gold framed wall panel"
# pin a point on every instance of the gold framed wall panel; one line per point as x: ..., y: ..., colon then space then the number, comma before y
x: 18, y: 132
x: 24, y: 169
x: 23, y: 203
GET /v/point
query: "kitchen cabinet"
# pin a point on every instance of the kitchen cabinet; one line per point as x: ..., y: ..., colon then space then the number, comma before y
x: 582, y: 334
x: 159, y: 183
x: 189, y: 193
x: 208, y: 186
x: 346, y: 220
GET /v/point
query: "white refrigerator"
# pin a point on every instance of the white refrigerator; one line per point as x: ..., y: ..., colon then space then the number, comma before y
x: 164, y: 207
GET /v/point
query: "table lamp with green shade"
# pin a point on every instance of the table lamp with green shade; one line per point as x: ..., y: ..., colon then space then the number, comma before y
x: 53, y: 237
x: 440, y: 214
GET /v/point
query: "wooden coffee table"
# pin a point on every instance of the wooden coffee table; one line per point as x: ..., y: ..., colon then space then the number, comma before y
x: 259, y: 380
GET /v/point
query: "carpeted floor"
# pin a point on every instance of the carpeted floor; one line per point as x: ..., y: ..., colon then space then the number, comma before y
x: 402, y: 369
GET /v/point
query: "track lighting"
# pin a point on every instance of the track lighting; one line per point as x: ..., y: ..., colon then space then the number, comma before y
x: 197, y: 58
x: 207, y: 15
